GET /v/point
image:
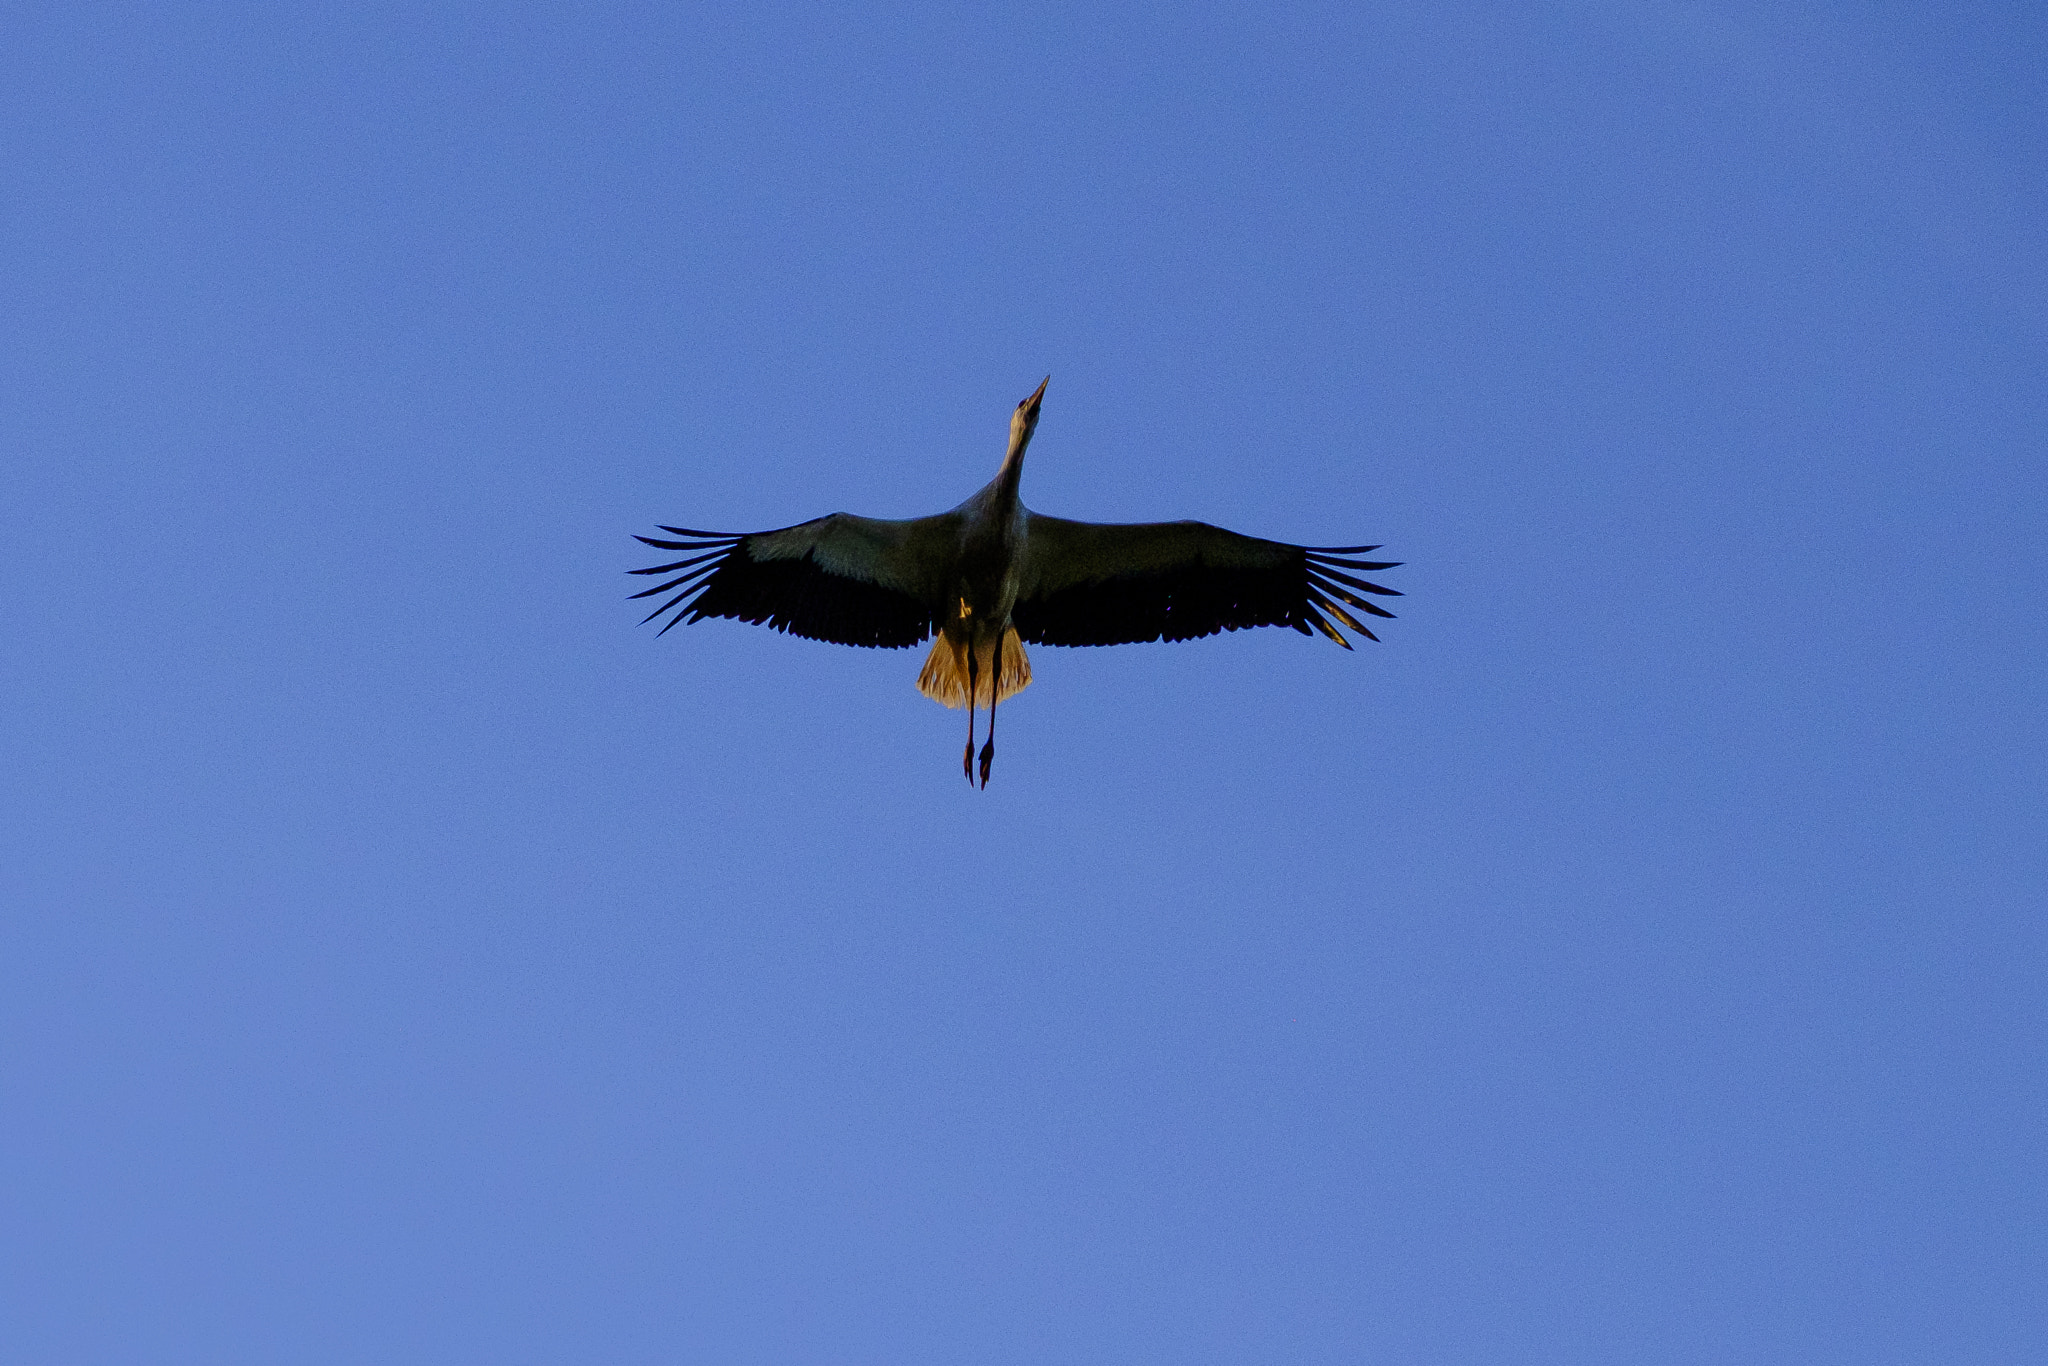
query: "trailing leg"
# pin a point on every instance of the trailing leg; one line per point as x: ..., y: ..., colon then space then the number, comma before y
x: 967, y: 758
x: 988, y: 751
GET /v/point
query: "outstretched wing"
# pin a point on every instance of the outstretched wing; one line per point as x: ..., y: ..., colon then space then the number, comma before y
x: 1085, y: 583
x: 850, y: 580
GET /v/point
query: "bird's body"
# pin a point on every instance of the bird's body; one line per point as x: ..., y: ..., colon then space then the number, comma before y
x: 991, y: 575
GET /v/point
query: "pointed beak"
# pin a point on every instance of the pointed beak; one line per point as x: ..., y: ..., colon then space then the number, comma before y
x: 1038, y: 397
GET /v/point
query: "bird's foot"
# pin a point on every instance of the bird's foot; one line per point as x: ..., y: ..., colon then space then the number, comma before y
x: 967, y: 763
x: 988, y: 754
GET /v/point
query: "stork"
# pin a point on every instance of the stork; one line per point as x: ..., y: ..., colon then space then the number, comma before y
x: 992, y: 575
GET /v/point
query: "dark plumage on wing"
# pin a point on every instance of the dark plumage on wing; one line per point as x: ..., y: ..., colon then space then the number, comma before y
x: 1087, y: 583
x: 819, y: 579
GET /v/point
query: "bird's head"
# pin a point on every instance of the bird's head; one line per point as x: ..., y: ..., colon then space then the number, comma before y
x: 1025, y: 420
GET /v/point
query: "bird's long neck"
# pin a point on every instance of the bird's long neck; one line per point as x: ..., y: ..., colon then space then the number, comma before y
x: 1011, y: 475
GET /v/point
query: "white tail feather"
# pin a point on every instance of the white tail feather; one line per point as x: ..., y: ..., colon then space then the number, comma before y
x: 944, y: 678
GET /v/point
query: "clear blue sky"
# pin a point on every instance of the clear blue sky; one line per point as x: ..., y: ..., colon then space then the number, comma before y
x: 1638, y: 957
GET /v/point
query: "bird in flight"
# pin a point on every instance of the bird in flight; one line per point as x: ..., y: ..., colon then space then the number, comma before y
x: 991, y: 576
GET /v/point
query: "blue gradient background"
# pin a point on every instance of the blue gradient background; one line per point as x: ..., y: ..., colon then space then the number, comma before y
x: 1637, y: 958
